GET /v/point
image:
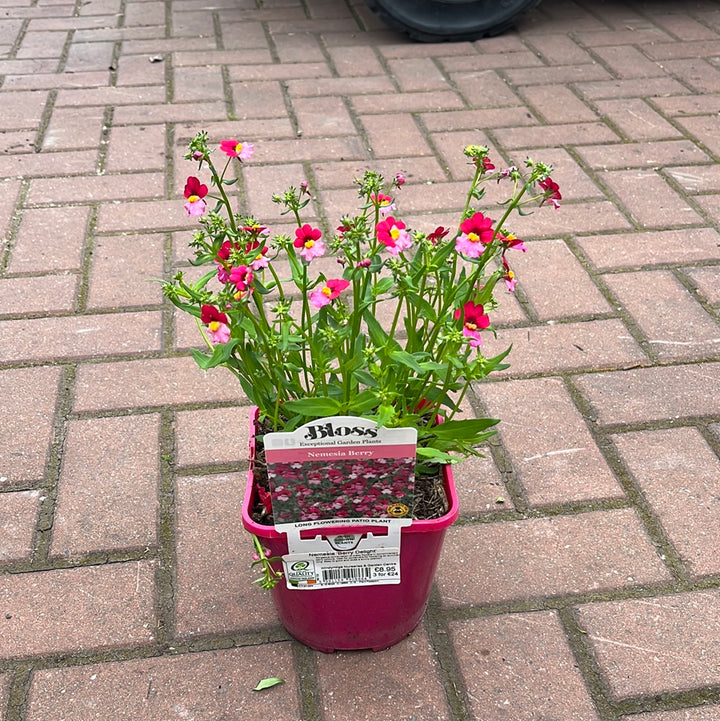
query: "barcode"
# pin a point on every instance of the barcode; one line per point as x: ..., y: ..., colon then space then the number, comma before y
x: 347, y: 573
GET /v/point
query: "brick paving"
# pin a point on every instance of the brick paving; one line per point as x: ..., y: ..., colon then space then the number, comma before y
x: 582, y: 581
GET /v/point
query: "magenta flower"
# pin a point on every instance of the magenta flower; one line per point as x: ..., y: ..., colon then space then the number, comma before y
x: 259, y: 261
x: 327, y: 292
x: 242, y: 277
x: 552, y: 192
x: 438, y: 234
x: 475, y: 233
x: 510, y: 241
x: 474, y: 320
x: 509, y: 277
x: 195, y: 191
x: 308, y: 239
x: 393, y: 235
x: 216, y: 322
x: 236, y: 149
x: 384, y: 203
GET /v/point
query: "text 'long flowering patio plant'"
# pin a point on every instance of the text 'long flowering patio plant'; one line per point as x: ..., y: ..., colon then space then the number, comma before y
x: 394, y: 334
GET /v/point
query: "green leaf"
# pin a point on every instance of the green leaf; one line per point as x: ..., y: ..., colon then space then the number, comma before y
x: 317, y: 407
x: 425, y: 310
x: 378, y: 336
x: 462, y: 429
x: 404, y: 358
x: 364, y: 377
x: 434, y: 454
x: 268, y: 683
x: 383, y: 286
x: 221, y: 354
x: 364, y: 402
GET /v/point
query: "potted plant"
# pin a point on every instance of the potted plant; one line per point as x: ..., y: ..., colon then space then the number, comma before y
x: 351, y: 339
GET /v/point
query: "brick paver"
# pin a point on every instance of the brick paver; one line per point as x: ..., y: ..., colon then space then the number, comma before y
x: 581, y: 581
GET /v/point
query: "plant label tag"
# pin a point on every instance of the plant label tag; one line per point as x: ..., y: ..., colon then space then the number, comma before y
x: 342, y: 560
x: 342, y: 467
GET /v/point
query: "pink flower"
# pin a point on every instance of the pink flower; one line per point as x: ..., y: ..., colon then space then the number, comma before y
x: 242, y: 277
x: 308, y: 239
x: 392, y: 234
x: 475, y: 233
x: 259, y: 261
x: 552, y: 192
x: 195, y: 191
x: 384, y: 203
x: 236, y: 149
x: 510, y: 241
x: 509, y: 277
x: 474, y: 320
x: 216, y: 322
x: 399, y: 179
x: 327, y: 293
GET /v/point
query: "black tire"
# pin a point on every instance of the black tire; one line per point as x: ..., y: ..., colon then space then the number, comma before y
x: 434, y: 21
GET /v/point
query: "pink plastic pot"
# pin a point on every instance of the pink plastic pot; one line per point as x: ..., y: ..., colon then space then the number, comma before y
x: 359, y: 617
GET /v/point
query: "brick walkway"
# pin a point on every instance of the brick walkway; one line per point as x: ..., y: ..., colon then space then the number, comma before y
x: 583, y: 579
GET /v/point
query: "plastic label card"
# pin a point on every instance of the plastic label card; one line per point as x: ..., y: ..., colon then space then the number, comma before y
x: 341, y: 467
x: 350, y: 559
x: 340, y: 472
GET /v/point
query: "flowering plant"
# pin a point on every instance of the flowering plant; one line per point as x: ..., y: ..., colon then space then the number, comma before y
x: 394, y: 334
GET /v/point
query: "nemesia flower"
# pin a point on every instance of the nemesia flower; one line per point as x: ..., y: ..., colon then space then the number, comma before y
x: 327, y: 292
x: 260, y: 261
x: 195, y: 191
x: 222, y: 258
x: 510, y: 241
x: 393, y: 235
x: 265, y: 499
x: 474, y: 320
x: 384, y: 202
x: 438, y: 234
x: 242, y: 277
x: 216, y: 322
x: 487, y: 164
x: 552, y: 191
x: 236, y: 149
x: 509, y: 277
x: 308, y: 239
x: 475, y: 233
x: 225, y: 250
x: 399, y: 180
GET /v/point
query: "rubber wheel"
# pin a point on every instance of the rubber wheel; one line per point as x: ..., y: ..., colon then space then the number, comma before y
x: 434, y: 21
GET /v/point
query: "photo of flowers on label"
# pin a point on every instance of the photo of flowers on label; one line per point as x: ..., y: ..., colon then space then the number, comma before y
x: 341, y: 467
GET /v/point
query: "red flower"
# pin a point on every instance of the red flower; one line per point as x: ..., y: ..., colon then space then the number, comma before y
x: 210, y: 314
x: 265, y: 499
x: 552, y: 191
x: 330, y: 290
x: 236, y: 149
x: 393, y: 235
x: 193, y: 187
x: 195, y: 191
x: 438, y: 234
x: 474, y: 320
x: 475, y: 233
x: 308, y: 238
x: 216, y: 323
